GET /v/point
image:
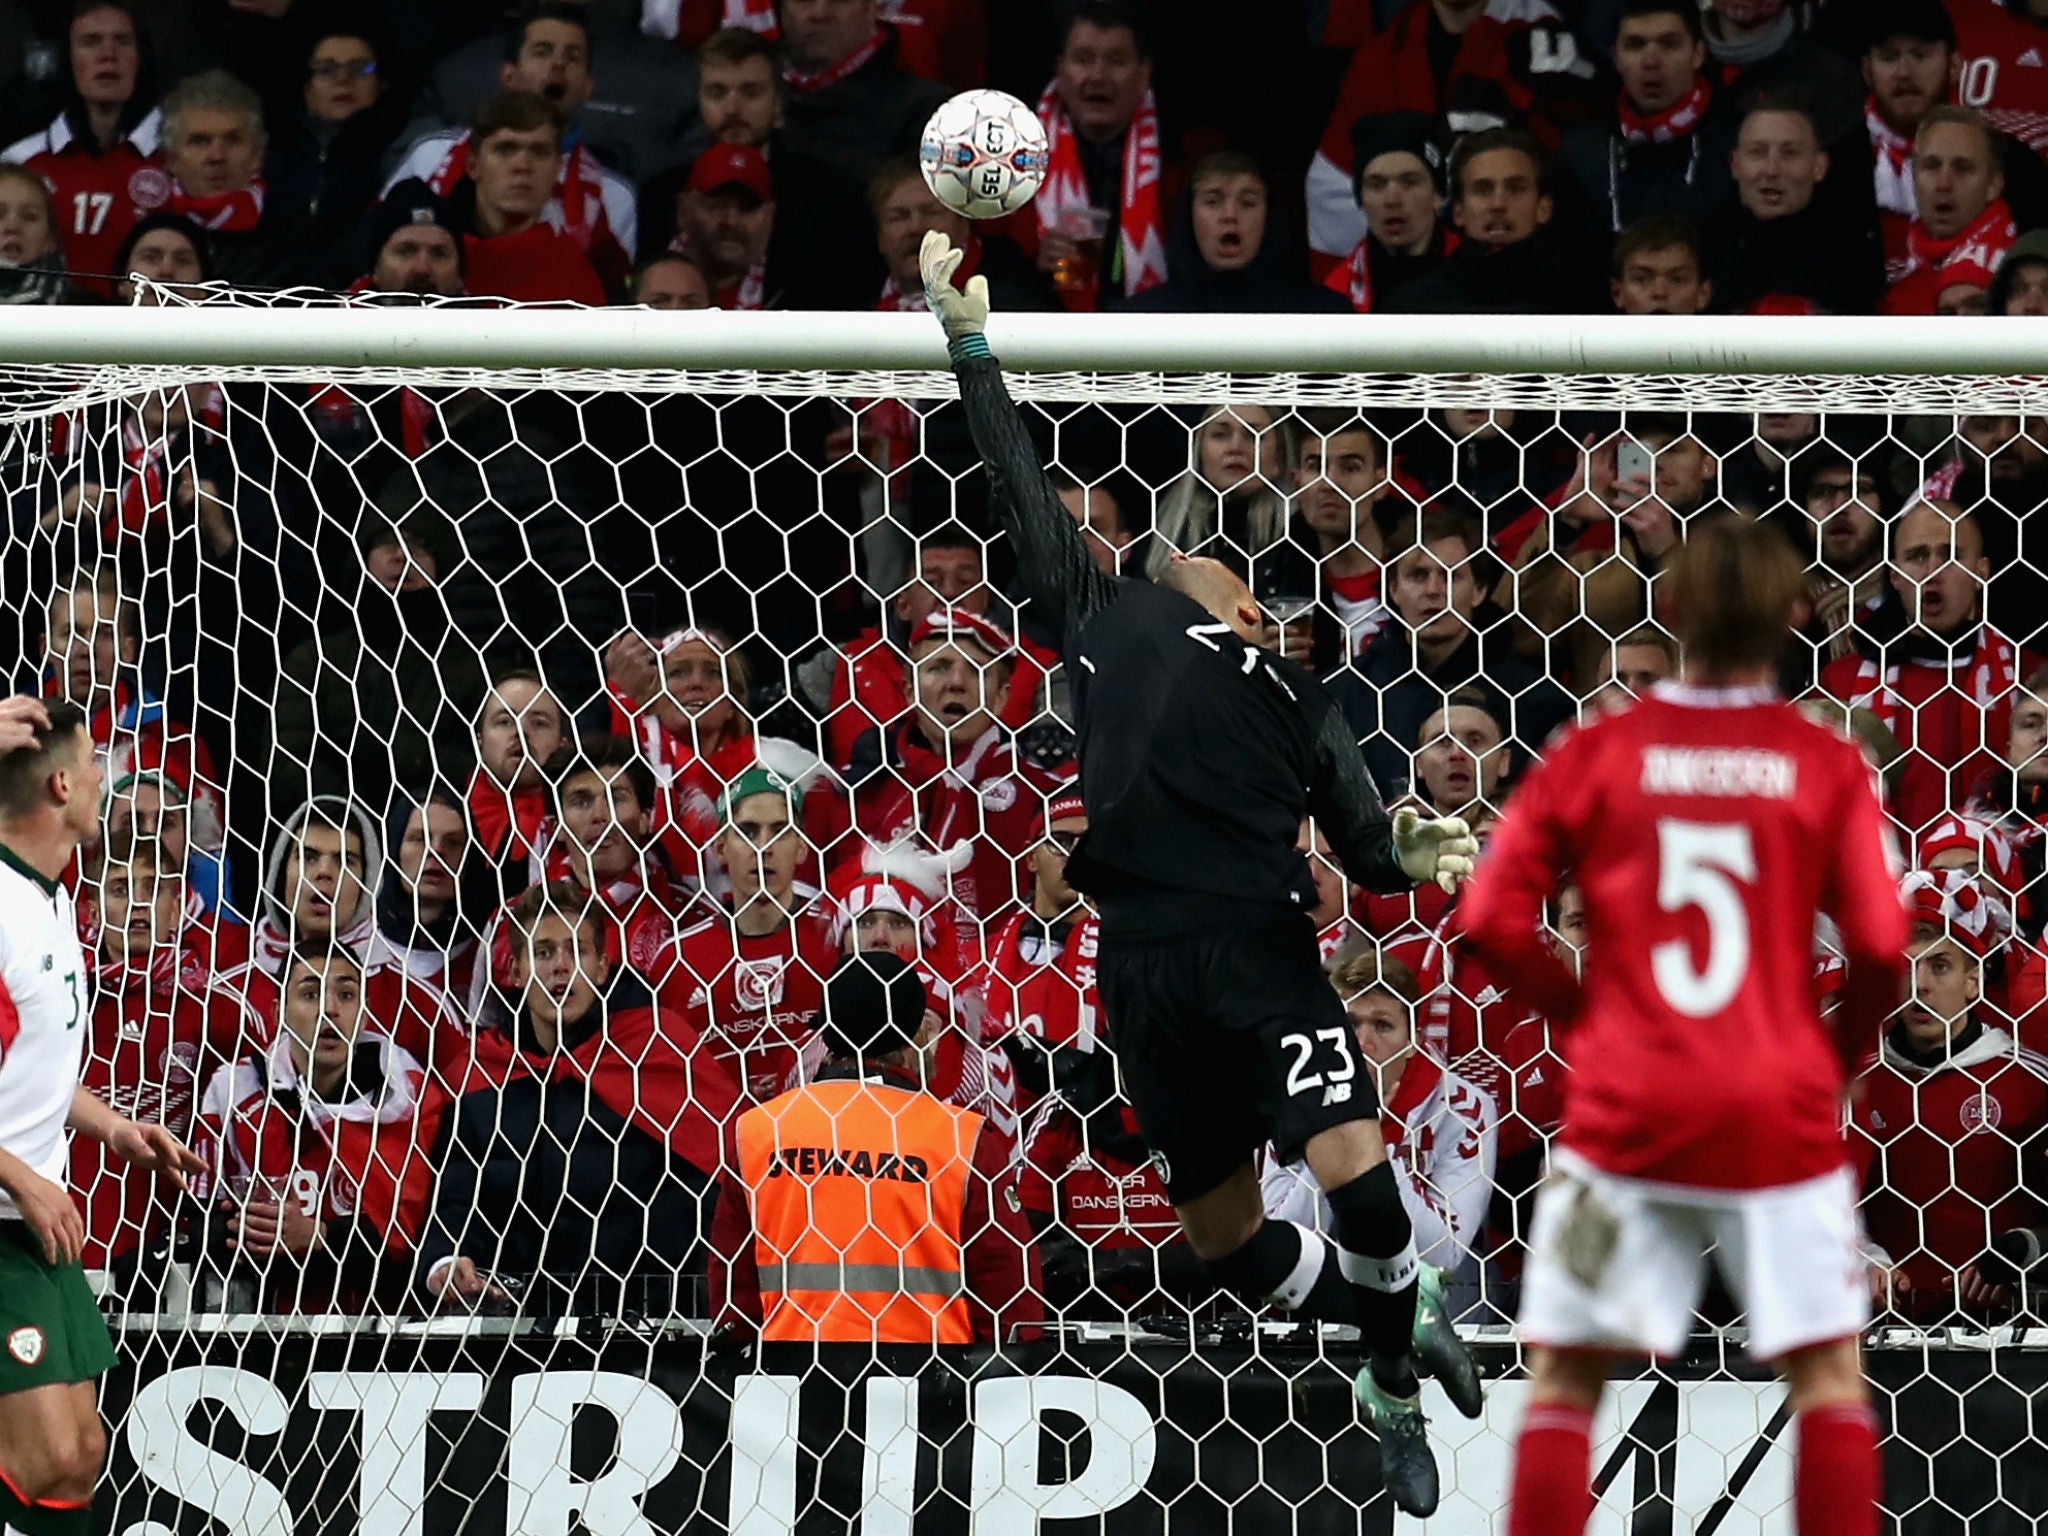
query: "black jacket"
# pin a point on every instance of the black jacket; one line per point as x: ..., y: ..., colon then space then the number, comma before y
x: 877, y: 111
x: 1609, y: 183
x: 1826, y: 254
x: 548, y: 1186
x: 1387, y: 697
x: 1543, y: 275
x: 327, y: 178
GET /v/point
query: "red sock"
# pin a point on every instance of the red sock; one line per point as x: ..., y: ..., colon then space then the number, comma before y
x: 1553, y: 1494
x: 1836, y: 1482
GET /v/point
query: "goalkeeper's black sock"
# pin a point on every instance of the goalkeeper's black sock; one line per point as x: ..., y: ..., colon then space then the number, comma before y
x: 1293, y: 1269
x: 1376, y: 1252
x: 61, y: 1520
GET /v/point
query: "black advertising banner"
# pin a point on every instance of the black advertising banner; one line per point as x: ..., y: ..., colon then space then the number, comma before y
x: 298, y: 1434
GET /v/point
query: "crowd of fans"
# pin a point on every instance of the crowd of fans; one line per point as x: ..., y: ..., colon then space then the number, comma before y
x: 496, y: 778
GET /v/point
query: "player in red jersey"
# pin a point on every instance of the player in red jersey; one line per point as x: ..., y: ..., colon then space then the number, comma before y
x: 1709, y: 827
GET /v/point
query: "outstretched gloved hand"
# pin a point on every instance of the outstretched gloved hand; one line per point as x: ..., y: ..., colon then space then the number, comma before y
x: 1442, y: 849
x: 962, y: 314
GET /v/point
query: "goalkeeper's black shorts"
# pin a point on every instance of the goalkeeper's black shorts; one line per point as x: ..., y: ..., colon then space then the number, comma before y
x: 1229, y: 1039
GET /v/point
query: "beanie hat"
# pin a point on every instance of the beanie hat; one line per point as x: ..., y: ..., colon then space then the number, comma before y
x: 906, y: 877
x: 412, y: 202
x: 1955, y: 903
x: 958, y: 624
x: 202, y: 243
x: 1387, y: 133
x: 1997, y: 861
x: 874, y: 1003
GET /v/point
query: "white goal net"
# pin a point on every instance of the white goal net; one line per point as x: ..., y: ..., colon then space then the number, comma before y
x: 510, y: 717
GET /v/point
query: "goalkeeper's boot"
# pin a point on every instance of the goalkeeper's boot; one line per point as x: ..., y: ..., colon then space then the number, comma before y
x: 1439, y: 1352
x: 1407, y: 1465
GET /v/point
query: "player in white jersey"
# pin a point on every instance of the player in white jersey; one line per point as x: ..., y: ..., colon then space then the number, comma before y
x: 53, y: 1342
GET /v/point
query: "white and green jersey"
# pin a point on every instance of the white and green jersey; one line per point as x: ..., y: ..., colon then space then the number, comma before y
x: 44, y: 1019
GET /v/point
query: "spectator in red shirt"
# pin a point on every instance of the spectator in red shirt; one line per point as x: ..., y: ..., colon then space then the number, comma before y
x: 1663, y: 148
x: 1476, y: 64
x: 1945, y: 685
x: 518, y: 730
x: 1659, y: 268
x: 1910, y: 64
x: 144, y: 806
x: 158, y: 1032
x: 753, y: 971
x: 1785, y: 241
x: 948, y: 771
x: 318, y: 1149
x: 1038, y: 988
x: 1099, y: 223
x: 1105, y: 1232
x: 1948, y: 1123
x: 869, y: 690
x: 1398, y: 179
x: 99, y: 155
x: 548, y: 53
x: 94, y: 647
x: 1964, y: 227
x: 511, y: 250
x: 603, y: 801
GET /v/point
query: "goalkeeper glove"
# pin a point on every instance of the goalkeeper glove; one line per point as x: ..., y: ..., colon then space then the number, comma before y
x: 1442, y: 849
x: 962, y: 314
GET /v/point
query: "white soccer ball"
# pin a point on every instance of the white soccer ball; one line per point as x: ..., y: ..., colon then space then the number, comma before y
x: 984, y: 154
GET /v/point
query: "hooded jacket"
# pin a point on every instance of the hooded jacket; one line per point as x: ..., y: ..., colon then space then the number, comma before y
x: 1274, y: 282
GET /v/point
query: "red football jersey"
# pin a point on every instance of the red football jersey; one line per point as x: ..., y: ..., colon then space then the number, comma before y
x: 2004, y: 69
x: 97, y: 199
x: 1708, y: 829
x: 752, y: 996
x: 1945, y: 1153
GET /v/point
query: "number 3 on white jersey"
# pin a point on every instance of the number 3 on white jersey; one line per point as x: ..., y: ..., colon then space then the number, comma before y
x: 1704, y: 865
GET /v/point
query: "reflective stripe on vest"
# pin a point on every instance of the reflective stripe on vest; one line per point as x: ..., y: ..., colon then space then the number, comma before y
x: 857, y: 1193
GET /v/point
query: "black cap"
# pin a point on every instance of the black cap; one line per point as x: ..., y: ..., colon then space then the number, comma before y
x: 1385, y: 133
x: 149, y: 224
x: 412, y: 202
x: 1924, y: 21
x: 874, y: 1004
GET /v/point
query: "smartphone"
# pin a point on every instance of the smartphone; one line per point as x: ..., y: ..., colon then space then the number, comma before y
x: 1631, y: 461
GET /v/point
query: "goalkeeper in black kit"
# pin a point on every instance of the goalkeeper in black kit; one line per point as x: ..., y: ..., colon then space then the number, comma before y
x: 1200, y: 756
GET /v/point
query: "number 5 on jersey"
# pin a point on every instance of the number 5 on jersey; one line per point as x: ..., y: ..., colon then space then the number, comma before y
x: 1704, y: 865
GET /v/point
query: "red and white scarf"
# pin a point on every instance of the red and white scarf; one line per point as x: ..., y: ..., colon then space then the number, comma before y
x: 1141, y: 231
x: 804, y: 84
x: 1894, y: 156
x: 228, y: 212
x: 146, y: 487
x: 750, y: 292
x: 270, y: 942
x: 1676, y: 121
x: 576, y: 209
x: 1354, y: 278
x: 1971, y: 255
x: 1988, y: 675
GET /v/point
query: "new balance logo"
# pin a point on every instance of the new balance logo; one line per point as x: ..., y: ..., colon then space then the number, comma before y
x: 2031, y: 59
x: 1336, y: 1093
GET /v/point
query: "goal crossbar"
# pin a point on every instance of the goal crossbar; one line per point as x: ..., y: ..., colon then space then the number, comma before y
x: 368, y: 336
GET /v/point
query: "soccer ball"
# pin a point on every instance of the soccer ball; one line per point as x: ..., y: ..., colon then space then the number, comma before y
x: 984, y: 154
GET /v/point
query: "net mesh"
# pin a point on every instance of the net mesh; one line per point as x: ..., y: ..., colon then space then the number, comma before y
x: 447, y: 712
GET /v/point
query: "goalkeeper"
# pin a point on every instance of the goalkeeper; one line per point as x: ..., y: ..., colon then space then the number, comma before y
x: 1200, y: 756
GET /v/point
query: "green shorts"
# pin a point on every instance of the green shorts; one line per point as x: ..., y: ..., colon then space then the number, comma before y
x: 51, y: 1330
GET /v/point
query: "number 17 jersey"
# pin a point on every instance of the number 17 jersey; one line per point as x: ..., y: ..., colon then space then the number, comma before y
x: 43, y: 1019
x: 1707, y: 829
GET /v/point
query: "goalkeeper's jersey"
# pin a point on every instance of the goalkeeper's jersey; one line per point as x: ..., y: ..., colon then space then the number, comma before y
x: 44, y: 1019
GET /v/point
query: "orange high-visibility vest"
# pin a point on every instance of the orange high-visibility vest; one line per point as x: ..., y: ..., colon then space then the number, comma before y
x: 858, y: 1193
